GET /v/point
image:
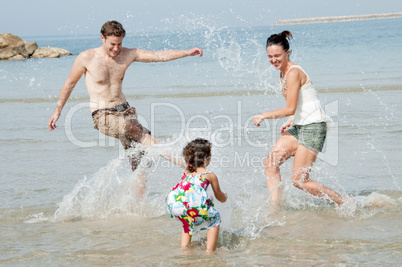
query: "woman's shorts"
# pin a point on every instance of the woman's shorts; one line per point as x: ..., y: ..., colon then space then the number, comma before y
x: 310, y: 135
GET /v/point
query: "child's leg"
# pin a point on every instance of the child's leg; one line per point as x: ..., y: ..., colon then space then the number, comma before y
x: 185, y: 239
x: 212, y: 237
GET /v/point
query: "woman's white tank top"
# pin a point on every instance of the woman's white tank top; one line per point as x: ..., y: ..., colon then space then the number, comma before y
x: 309, y: 108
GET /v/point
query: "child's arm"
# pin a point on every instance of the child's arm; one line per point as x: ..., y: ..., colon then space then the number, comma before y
x: 211, y: 177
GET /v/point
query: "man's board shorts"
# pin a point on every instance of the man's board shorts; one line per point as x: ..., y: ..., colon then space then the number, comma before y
x: 310, y: 135
x: 120, y: 122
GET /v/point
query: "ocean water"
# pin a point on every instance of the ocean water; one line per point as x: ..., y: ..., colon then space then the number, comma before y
x: 68, y: 197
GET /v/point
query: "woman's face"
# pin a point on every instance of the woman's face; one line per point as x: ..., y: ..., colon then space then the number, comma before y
x: 277, y: 56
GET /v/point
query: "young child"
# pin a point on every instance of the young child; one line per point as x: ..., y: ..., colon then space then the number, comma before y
x: 189, y: 201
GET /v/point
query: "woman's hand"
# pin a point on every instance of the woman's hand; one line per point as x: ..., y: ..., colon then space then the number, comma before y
x: 285, y: 127
x: 258, y: 119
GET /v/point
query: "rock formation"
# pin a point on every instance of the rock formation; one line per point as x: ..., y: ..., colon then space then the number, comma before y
x: 52, y: 52
x: 13, y: 47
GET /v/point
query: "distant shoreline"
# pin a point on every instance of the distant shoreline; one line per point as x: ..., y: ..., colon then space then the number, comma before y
x: 338, y: 19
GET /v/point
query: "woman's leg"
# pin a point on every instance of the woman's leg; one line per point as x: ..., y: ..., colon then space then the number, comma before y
x: 303, y: 162
x: 284, y: 148
x: 212, y: 237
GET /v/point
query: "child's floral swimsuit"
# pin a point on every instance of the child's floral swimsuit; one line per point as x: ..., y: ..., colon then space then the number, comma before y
x: 189, y: 202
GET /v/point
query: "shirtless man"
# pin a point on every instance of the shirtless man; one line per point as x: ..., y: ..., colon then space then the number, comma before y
x: 104, y: 68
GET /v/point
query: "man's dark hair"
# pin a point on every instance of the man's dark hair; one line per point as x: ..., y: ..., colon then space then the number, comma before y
x: 113, y: 28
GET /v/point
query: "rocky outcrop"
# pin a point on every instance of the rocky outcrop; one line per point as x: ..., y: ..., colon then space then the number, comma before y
x: 50, y: 52
x: 13, y: 47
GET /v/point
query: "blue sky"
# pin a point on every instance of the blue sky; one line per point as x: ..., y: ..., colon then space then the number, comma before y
x: 52, y: 17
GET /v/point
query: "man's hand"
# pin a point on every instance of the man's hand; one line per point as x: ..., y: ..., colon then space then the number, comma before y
x: 195, y: 51
x: 52, y: 121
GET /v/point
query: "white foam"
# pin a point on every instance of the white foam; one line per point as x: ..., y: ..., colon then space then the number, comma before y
x: 379, y: 201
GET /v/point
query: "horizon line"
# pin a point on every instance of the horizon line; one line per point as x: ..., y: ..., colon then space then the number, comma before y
x: 338, y: 18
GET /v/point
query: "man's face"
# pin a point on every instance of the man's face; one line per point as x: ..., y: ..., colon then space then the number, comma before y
x: 112, y: 45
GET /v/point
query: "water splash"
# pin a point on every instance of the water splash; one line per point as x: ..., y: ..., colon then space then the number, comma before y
x: 114, y: 189
x: 240, y: 52
x: 385, y: 121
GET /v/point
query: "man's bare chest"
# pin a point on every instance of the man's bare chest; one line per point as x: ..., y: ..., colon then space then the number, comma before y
x: 104, y: 72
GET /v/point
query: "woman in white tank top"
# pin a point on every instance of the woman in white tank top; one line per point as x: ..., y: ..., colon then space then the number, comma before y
x: 303, y: 134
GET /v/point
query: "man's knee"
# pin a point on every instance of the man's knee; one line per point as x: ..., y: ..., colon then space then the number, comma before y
x: 133, y: 131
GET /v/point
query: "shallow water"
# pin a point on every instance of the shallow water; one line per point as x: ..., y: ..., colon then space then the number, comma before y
x: 68, y: 197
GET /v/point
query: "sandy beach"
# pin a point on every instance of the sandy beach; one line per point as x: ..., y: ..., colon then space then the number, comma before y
x: 338, y: 19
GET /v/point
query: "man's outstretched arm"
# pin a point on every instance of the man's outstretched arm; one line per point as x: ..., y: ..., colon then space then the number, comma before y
x: 163, y: 56
x: 76, y: 72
